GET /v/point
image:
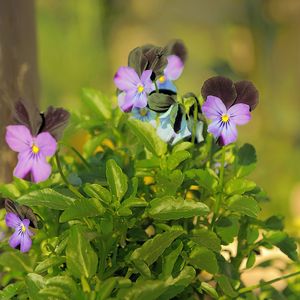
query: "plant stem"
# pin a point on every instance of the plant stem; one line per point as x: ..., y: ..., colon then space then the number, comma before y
x: 194, y: 129
x: 86, y: 164
x: 253, y: 287
x: 221, y: 183
x: 156, y: 87
x: 209, y: 148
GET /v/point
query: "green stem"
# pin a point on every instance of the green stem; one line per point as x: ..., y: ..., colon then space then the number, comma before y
x: 156, y: 87
x: 221, y: 183
x: 209, y: 148
x: 253, y: 287
x: 87, y: 165
x: 195, y: 123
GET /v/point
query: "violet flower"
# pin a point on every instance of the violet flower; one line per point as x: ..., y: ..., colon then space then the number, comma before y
x: 22, y: 234
x: 172, y: 72
x: 227, y: 104
x: 135, y: 88
x: 33, y: 151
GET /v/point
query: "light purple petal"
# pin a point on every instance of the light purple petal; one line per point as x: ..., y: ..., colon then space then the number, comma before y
x: 126, y: 78
x: 26, y: 222
x: 229, y: 133
x: 41, y: 170
x: 240, y: 113
x: 25, y: 242
x: 174, y: 67
x: 24, y: 165
x: 125, y: 105
x: 12, y: 220
x: 146, y: 77
x: 15, y: 239
x: 215, y: 128
x: 213, y: 107
x: 18, y: 137
x: 140, y: 100
x: 46, y: 143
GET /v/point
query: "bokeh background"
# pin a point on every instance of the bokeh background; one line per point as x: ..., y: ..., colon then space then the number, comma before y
x: 82, y: 43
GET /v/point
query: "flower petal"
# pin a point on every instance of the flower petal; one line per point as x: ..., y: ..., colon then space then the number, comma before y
x: 183, y: 133
x: 174, y: 67
x: 41, y: 170
x: 215, y: 128
x: 167, y: 85
x: 229, y: 133
x: 26, y: 222
x: 126, y: 78
x: 240, y: 114
x: 18, y: 137
x: 213, y: 108
x: 146, y: 80
x: 12, y: 220
x: 26, y: 242
x: 246, y: 93
x: 15, y: 239
x: 124, y: 104
x: 140, y: 100
x: 24, y: 165
x: 46, y: 143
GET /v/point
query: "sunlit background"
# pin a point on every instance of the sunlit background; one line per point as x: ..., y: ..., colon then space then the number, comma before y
x: 82, y: 43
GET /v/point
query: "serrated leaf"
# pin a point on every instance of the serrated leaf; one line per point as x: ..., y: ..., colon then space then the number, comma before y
x: 34, y: 284
x: 225, y: 285
x: 203, y: 177
x: 134, y: 202
x: 88, y: 207
x: 289, y: 247
x: 204, y: 259
x: 238, y: 186
x: 244, y: 205
x: 47, y: 198
x: 116, y: 179
x: 160, y: 102
x: 148, y: 136
x: 176, y: 158
x: 227, y: 228
x: 54, y: 292
x: 206, y: 238
x: 11, y: 290
x: 246, y: 160
x: 95, y: 190
x: 171, y: 208
x: 81, y: 258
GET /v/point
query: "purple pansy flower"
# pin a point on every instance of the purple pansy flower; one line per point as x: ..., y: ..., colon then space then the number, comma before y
x: 172, y: 72
x: 22, y: 234
x: 33, y: 151
x: 227, y: 104
x: 134, y: 88
x: 224, y: 121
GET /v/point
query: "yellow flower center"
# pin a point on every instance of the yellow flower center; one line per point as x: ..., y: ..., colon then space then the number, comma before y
x: 23, y: 228
x: 225, y: 118
x: 162, y: 79
x: 140, y: 88
x: 35, y: 149
x: 143, y: 112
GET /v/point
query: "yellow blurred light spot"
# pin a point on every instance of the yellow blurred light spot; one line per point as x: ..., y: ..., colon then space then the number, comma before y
x: 162, y: 79
x: 194, y: 188
x: 143, y: 112
x: 148, y: 180
x: 108, y: 143
x: 35, y: 149
x: 140, y: 89
x: 189, y: 195
x: 23, y: 228
x: 225, y: 118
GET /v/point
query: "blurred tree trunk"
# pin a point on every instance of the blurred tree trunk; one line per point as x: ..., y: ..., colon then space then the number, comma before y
x: 18, y: 68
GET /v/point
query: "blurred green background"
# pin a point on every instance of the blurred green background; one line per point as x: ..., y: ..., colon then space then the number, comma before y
x: 82, y: 43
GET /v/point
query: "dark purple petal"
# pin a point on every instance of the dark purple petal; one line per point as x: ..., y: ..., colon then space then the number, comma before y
x: 41, y: 170
x: 24, y: 165
x: 25, y: 242
x: 246, y: 93
x: 220, y: 87
x: 229, y: 133
x: 125, y: 105
x: 140, y: 100
x: 126, y: 79
x: 174, y: 67
x: 215, y: 128
x: 239, y: 114
x: 18, y: 137
x: 46, y: 143
x: 15, y: 239
x: 12, y: 220
x: 178, y: 48
x: 213, y: 108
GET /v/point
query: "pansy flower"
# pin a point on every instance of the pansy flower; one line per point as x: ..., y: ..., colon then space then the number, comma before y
x: 172, y: 72
x: 22, y: 234
x: 227, y: 104
x: 144, y: 115
x: 134, y: 88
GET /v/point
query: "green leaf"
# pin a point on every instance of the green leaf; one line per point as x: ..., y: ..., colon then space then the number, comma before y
x: 98, y: 104
x: 16, y: 261
x: 81, y: 258
x: 203, y: 177
x: 251, y: 260
x: 116, y: 179
x: 227, y: 228
x: 88, y: 207
x: 209, y: 290
x: 171, y: 208
x: 134, y: 202
x: 148, y: 136
x: 95, y: 190
x: 153, y: 248
x: 49, y: 262
x: 225, y: 285
x: 106, y: 287
x: 206, y: 238
x: 10, y: 191
x: 239, y: 186
x: 34, y: 284
x: 160, y: 102
x: 91, y: 145
x: 168, y: 182
x: 176, y: 158
x: 204, y: 259
x: 47, y: 198
x: 289, y: 247
x: 11, y: 290
x: 244, y: 205
x: 246, y: 160
x: 182, y: 146
x: 54, y: 292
